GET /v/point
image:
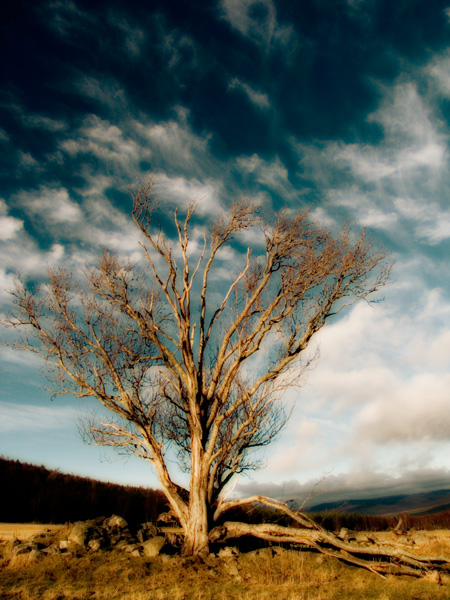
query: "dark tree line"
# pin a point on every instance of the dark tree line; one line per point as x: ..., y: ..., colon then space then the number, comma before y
x: 36, y: 494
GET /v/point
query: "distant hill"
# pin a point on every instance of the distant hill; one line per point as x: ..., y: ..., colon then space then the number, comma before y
x: 35, y: 494
x: 424, y: 503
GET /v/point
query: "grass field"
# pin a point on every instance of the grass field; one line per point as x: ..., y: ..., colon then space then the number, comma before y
x: 23, y: 531
x: 283, y: 575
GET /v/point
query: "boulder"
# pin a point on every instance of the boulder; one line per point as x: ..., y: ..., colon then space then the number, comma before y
x: 153, y: 547
x: 69, y: 546
x: 147, y: 531
x: 95, y: 544
x: 24, y: 548
x: 115, y: 523
x: 228, y: 552
x: 78, y: 533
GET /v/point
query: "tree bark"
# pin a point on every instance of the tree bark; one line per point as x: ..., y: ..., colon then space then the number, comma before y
x: 196, y: 537
x: 378, y: 558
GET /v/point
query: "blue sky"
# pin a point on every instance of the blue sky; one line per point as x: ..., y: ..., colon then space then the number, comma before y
x: 341, y: 107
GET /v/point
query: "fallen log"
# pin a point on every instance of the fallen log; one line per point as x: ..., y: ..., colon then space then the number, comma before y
x: 381, y: 558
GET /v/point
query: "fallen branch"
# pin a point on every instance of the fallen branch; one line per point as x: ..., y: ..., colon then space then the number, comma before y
x: 381, y: 558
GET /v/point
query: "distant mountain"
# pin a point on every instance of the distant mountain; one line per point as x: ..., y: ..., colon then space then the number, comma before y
x: 423, y: 503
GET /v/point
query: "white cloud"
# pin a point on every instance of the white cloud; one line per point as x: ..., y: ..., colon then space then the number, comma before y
x: 25, y: 418
x: 9, y: 226
x: 27, y: 161
x: 431, y: 223
x: 174, y: 145
x: 256, y: 20
x: 179, y: 191
x: 411, y: 140
x: 378, y: 393
x: 43, y: 122
x: 363, y: 205
x: 274, y: 175
x: 399, y: 184
x: 54, y: 206
x: 259, y: 99
x: 439, y: 70
x: 107, y: 93
x: 133, y: 35
x: 105, y: 141
x: 417, y: 410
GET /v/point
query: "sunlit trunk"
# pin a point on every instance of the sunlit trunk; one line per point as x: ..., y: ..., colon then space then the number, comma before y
x: 196, y: 531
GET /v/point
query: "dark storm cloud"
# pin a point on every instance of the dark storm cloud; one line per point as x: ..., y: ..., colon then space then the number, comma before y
x: 357, y: 485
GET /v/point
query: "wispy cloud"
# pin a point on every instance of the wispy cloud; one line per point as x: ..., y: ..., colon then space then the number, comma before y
x: 180, y: 191
x: 105, y: 141
x: 259, y: 99
x: 410, y: 139
x: 54, y: 206
x: 256, y: 20
x: 65, y: 18
x: 174, y: 145
x: 133, y: 35
x: 272, y: 175
x: 9, y: 226
x: 22, y: 418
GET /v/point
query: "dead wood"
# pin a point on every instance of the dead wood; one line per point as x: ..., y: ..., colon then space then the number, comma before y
x: 378, y: 557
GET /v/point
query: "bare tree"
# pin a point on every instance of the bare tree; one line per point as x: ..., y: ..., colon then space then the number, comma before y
x: 190, y: 364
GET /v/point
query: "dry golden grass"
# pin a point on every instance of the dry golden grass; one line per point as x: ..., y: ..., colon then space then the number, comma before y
x: 23, y: 531
x: 289, y: 575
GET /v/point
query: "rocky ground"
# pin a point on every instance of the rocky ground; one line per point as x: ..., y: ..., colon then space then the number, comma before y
x: 101, y: 534
x: 105, y: 559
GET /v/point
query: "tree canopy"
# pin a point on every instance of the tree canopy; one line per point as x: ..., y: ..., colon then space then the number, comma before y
x: 192, y: 350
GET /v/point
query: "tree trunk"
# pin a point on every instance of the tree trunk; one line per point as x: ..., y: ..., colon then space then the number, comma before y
x: 196, y: 540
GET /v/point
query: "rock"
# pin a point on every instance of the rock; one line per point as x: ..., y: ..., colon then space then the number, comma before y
x: 68, y: 546
x: 211, y: 561
x: 24, y: 548
x: 230, y: 567
x: 53, y: 549
x: 343, y: 534
x: 95, y: 544
x: 115, y: 523
x: 78, y: 533
x: 167, y: 517
x: 44, y: 537
x: 363, y: 538
x: 228, y: 552
x: 147, y: 531
x: 153, y: 547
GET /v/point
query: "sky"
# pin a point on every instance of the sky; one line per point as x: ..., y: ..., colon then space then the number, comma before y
x: 341, y: 107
